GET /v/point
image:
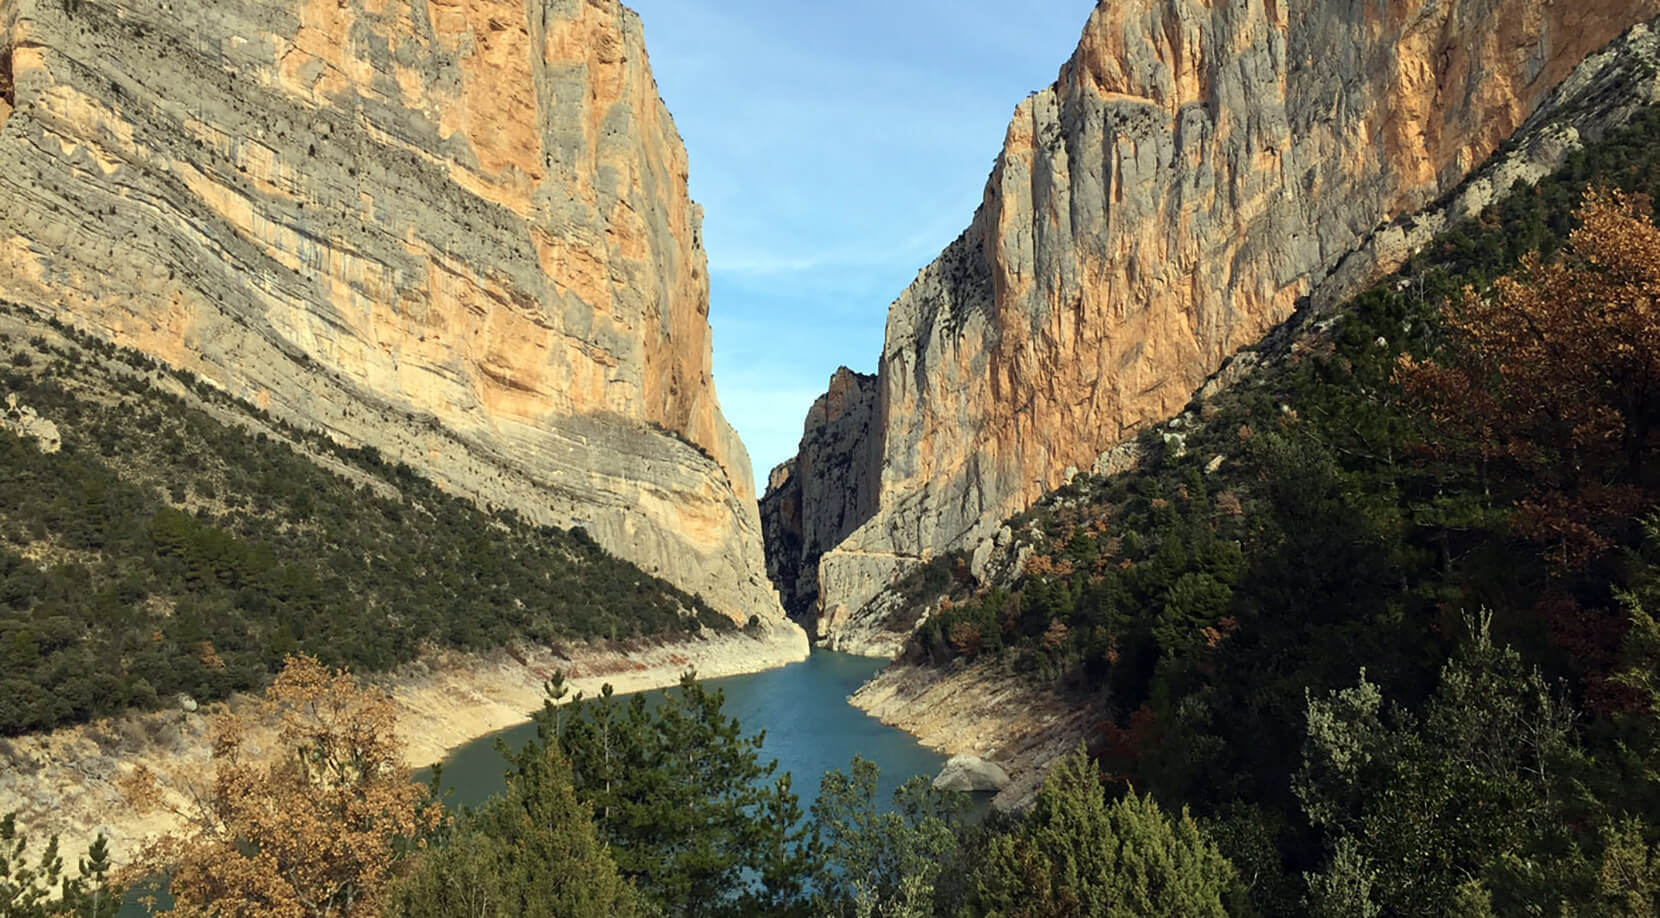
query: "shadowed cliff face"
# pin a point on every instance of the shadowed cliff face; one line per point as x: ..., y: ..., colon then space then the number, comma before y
x: 814, y: 500
x: 1196, y: 171
x: 456, y: 230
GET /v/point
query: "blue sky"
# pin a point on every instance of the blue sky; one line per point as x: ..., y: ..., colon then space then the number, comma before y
x: 836, y: 149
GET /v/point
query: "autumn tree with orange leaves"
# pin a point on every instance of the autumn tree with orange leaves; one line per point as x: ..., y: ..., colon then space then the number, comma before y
x: 316, y: 826
x: 1554, y: 375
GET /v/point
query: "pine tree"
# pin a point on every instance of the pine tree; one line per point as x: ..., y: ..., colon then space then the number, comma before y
x: 1079, y: 855
x: 1465, y: 789
x: 692, y: 815
x: 91, y: 895
x: 42, y: 889
x: 882, y: 863
x: 24, y: 890
x: 531, y: 851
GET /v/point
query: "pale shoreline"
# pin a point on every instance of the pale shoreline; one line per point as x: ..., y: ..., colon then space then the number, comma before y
x: 984, y: 710
x: 64, y: 783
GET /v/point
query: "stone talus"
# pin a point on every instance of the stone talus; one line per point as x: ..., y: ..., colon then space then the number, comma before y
x: 456, y: 230
x: 1197, y: 170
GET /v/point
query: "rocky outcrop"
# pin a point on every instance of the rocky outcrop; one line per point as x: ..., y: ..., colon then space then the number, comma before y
x: 27, y: 423
x: 1197, y: 171
x: 456, y: 231
x: 814, y: 500
x: 970, y: 774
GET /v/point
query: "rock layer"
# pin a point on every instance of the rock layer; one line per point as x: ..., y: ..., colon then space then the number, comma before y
x: 1197, y: 171
x: 455, y: 230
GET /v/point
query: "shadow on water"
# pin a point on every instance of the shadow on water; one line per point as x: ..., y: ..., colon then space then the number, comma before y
x: 810, y: 729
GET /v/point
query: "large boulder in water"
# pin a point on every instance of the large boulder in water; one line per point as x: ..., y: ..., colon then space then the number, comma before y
x: 971, y: 773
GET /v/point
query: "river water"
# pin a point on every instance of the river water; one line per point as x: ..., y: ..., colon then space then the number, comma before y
x: 810, y: 729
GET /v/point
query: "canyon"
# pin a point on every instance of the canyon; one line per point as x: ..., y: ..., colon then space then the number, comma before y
x: 460, y: 232
x: 1196, y: 174
x: 457, y: 232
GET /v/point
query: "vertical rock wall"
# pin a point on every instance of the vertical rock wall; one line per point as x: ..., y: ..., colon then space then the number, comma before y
x: 456, y: 230
x: 814, y: 500
x: 1198, y: 169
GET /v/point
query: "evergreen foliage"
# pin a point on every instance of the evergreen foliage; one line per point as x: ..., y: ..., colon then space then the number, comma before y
x: 164, y: 552
x: 42, y: 888
x: 1472, y: 786
x: 879, y: 862
x: 533, y: 850
x: 1078, y: 854
x: 1476, y: 432
x: 695, y: 819
x: 1274, y: 610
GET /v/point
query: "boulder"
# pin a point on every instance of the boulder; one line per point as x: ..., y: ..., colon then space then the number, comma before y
x: 970, y: 773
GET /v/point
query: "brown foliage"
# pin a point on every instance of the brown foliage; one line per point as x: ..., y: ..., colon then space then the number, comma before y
x: 1594, y: 637
x: 1054, y: 638
x: 1123, y: 746
x: 312, y: 828
x: 1215, y: 635
x: 1040, y: 566
x: 1556, y: 374
x: 966, y: 638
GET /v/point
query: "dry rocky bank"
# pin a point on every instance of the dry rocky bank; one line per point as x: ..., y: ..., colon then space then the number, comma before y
x: 66, y: 782
x: 981, y: 710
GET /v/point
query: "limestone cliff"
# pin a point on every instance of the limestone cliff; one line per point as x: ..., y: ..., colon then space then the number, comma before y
x: 1196, y: 172
x: 455, y: 230
x: 832, y: 477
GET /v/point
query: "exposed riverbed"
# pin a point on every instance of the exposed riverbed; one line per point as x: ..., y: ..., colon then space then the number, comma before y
x: 66, y: 782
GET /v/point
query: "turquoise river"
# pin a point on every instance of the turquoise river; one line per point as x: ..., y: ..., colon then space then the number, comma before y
x: 810, y: 729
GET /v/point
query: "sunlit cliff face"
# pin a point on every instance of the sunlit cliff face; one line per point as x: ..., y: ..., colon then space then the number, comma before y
x: 1197, y: 169
x: 458, y: 230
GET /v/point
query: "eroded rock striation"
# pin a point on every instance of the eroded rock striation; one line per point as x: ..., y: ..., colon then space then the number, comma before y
x: 1197, y: 171
x: 455, y: 230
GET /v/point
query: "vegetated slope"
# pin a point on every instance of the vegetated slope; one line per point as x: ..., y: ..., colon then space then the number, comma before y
x: 185, y: 542
x: 1194, y: 172
x: 1311, y: 523
x: 460, y: 232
